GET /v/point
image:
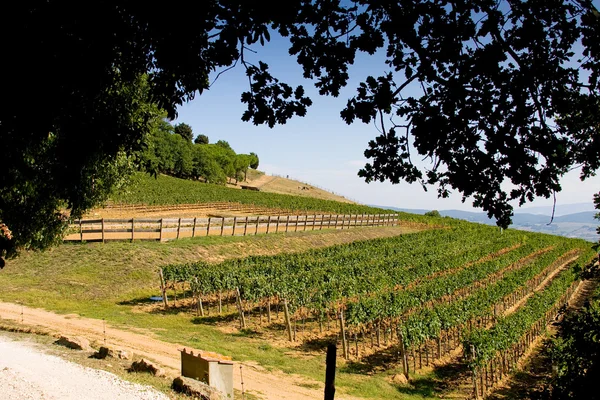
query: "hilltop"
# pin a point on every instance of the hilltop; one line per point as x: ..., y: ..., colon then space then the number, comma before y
x: 281, y: 185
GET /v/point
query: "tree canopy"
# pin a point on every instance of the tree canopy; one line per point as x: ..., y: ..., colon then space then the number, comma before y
x: 201, y: 139
x: 185, y: 131
x: 170, y: 153
x: 500, y: 96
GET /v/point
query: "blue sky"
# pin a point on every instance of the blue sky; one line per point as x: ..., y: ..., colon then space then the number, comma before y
x: 320, y: 148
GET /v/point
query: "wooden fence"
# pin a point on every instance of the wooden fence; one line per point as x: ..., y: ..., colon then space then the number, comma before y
x: 175, y: 228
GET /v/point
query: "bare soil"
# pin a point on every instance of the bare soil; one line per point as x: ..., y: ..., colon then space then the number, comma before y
x: 258, y: 381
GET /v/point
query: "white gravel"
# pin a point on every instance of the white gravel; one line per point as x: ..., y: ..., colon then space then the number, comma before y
x: 27, y: 373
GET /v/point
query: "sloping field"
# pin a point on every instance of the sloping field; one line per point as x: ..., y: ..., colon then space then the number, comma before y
x: 281, y: 185
x: 403, y: 303
x: 164, y: 190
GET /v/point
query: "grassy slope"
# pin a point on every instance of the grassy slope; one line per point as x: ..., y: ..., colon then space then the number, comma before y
x: 107, y: 281
x: 168, y: 190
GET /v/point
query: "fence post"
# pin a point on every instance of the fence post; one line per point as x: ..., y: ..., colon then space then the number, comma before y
x: 277, y: 224
x: 102, y: 230
x: 287, y: 221
x: 194, y: 228
x: 240, y: 309
x: 178, y: 227
x: 336, y: 220
x: 234, y: 224
x: 163, y: 288
x: 208, y: 226
x: 132, y: 229
x: 288, y: 324
x: 355, y: 220
x: 343, y: 331
x: 222, y: 225
x: 257, y: 222
x: 80, y: 231
x: 330, y: 372
x: 245, y: 225
x: 160, y: 230
x: 268, y: 224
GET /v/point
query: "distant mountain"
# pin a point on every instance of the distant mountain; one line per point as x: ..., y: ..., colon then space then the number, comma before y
x: 575, y: 225
x: 561, y: 209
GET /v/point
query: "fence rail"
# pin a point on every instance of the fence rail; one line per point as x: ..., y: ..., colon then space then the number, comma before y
x: 175, y: 228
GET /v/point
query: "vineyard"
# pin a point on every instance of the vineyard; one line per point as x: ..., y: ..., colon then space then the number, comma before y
x: 424, y: 295
x: 165, y: 190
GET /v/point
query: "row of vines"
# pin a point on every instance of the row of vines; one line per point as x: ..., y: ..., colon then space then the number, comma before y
x: 424, y: 294
x: 165, y: 190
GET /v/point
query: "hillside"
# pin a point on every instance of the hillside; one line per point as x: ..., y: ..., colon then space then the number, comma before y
x: 169, y: 192
x: 281, y: 185
x: 427, y: 285
x: 397, y: 300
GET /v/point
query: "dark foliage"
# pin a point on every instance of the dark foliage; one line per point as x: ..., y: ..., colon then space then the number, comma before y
x: 501, y: 96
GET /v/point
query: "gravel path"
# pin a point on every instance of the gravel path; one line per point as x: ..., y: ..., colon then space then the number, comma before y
x: 27, y: 373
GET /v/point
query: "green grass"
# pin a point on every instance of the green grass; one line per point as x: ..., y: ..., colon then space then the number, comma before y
x: 147, y: 190
x: 107, y: 281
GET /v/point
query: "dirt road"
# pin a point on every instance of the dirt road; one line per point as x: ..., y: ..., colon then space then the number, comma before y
x: 26, y: 372
x: 264, y: 384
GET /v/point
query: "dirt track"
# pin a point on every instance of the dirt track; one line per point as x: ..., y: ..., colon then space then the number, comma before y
x: 266, y: 385
x: 27, y: 372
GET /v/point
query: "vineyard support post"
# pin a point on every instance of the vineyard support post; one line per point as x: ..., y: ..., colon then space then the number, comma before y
x: 163, y: 289
x: 102, y: 230
x: 132, y: 229
x: 194, y: 228
x: 160, y: 230
x: 403, y: 354
x: 240, y: 309
x: 330, y: 371
x: 288, y: 324
x: 178, y: 227
x: 343, y: 329
x: 208, y: 226
x: 474, y: 369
